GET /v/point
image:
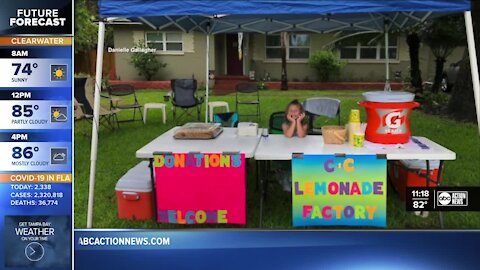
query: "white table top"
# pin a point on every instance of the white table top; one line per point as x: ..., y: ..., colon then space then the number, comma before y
x: 278, y: 147
x: 228, y: 141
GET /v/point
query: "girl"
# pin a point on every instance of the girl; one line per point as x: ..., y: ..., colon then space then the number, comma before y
x: 296, y: 124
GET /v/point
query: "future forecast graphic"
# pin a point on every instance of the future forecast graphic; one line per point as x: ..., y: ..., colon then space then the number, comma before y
x: 35, y: 137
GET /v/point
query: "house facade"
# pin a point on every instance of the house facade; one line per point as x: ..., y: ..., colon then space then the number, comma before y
x: 184, y: 54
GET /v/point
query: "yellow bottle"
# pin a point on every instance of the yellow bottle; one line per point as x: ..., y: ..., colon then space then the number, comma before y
x: 353, y: 124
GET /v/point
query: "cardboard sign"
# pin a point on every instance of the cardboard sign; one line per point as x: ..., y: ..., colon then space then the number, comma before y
x: 200, y: 188
x: 330, y: 191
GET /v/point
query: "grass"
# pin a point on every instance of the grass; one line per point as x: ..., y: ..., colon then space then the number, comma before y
x: 116, y: 154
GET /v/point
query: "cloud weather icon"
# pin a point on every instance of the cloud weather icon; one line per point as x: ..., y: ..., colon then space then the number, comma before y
x: 59, y: 156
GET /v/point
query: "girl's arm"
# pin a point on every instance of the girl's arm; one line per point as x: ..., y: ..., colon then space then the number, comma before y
x: 302, y: 129
x: 288, y: 130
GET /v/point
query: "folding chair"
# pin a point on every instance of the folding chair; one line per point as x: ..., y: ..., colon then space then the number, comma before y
x: 244, y: 89
x: 315, y: 107
x: 184, y: 97
x: 84, y: 88
x: 278, y: 167
x: 122, y: 91
x: 275, y: 122
x: 229, y: 119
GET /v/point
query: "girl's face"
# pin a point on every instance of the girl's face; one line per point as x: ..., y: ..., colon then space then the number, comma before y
x: 294, y: 111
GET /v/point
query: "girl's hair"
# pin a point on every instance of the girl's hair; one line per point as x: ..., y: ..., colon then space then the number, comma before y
x: 295, y: 102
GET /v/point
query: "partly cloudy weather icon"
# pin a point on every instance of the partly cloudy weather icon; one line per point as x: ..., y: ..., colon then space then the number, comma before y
x: 58, y: 114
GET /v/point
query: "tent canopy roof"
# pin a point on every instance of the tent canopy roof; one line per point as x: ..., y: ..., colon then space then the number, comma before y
x: 272, y: 16
x: 143, y: 8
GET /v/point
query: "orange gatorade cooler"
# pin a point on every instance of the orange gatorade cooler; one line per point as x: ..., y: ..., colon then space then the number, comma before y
x: 134, y: 193
x: 387, y: 116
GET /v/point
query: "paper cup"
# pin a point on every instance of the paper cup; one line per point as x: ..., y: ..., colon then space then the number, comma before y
x: 354, y: 116
x: 358, y: 139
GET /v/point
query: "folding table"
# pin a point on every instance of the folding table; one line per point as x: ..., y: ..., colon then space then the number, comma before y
x: 279, y: 147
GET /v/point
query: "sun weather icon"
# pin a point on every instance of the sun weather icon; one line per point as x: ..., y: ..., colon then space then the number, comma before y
x: 58, y: 73
x: 58, y: 114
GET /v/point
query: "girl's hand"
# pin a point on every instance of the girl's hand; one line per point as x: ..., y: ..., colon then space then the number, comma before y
x: 290, y: 118
x: 301, y: 117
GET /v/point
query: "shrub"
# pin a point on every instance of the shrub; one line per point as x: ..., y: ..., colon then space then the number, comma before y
x: 434, y: 103
x: 327, y: 64
x: 262, y: 85
x: 146, y: 64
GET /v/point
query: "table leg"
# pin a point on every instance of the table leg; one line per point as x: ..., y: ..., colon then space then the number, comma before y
x: 154, y: 190
x: 267, y: 171
x: 261, y: 197
x: 256, y: 175
x: 427, y: 179
x: 439, y: 180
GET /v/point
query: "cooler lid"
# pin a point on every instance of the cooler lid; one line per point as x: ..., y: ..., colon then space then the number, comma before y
x: 136, y: 179
x: 388, y: 96
x: 418, y: 164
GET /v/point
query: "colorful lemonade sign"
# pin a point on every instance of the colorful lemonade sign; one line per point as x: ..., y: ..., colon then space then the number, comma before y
x: 329, y: 190
x: 198, y: 188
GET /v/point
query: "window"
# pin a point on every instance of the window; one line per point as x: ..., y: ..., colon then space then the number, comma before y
x: 165, y: 41
x: 298, y: 47
x: 273, y: 47
x: 365, y: 50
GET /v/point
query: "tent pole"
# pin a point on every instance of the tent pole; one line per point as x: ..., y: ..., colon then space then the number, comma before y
x: 95, y: 122
x: 472, y: 52
x: 387, y: 62
x: 207, y: 77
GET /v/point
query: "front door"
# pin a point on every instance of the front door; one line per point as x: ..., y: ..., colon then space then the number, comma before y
x: 234, y: 64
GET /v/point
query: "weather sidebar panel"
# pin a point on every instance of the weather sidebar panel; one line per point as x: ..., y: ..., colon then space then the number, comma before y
x: 36, y: 121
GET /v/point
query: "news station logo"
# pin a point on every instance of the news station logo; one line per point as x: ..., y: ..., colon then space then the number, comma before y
x: 452, y: 198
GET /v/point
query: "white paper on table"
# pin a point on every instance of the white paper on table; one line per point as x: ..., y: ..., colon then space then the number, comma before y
x: 378, y: 146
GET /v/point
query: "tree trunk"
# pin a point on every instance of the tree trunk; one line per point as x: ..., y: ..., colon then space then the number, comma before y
x: 462, y: 102
x: 283, y: 38
x: 413, y: 41
x: 437, y: 81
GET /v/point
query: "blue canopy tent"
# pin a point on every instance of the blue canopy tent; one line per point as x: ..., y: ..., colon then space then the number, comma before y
x: 270, y: 16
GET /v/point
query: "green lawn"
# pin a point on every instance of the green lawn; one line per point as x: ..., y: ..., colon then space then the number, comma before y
x: 116, y: 154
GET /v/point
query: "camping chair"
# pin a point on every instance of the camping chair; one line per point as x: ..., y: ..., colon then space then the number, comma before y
x: 84, y: 98
x: 184, y: 97
x: 315, y: 107
x: 229, y: 119
x: 78, y: 113
x: 121, y: 91
x: 275, y: 122
x: 243, y: 89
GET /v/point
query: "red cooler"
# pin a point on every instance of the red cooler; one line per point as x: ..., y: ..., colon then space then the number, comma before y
x: 387, y: 116
x: 134, y: 193
x: 411, y: 173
